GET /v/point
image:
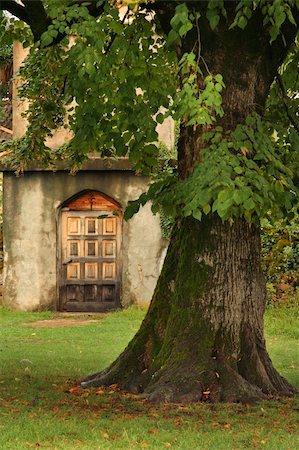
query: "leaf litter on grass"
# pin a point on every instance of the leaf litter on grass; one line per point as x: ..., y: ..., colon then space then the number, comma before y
x: 47, y: 407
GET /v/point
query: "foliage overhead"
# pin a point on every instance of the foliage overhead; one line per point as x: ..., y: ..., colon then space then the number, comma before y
x: 112, y: 79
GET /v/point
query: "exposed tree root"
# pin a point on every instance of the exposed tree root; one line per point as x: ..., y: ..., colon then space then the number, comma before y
x: 202, y: 338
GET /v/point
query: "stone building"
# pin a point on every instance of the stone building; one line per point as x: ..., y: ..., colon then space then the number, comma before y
x: 66, y: 245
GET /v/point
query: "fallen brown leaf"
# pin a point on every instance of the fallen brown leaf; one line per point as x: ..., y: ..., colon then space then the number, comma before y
x: 100, y: 391
x: 74, y: 390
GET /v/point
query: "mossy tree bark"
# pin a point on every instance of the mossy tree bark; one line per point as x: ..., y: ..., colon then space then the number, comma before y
x: 202, y: 338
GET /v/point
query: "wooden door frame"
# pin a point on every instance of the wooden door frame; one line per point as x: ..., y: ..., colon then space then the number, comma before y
x: 119, y: 239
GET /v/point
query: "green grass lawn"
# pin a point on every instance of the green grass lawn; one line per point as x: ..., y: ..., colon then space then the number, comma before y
x: 39, y: 409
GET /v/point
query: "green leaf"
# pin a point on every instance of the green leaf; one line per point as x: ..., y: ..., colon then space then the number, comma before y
x: 242, y: 22
x: 214, y: 20
x: 46, y: 39
x: 53, y: 33
x: 247, y: 12
x: 197, y: 214
x: 249, y: 204
x: 218, y: 87
x: 238, y: 169
x: 132, y: 208
x: 103, y: 216
x: 290, y: 16
x: 183, y: 30
x: 237, y: 197
x: 173, y: 37
x: 160, y: 118
x: 207, y: 208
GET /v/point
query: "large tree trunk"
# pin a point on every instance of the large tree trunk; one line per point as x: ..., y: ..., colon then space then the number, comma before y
x: 202, y: 338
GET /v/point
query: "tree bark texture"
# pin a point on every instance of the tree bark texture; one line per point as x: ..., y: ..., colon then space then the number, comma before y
x: 203, y: 338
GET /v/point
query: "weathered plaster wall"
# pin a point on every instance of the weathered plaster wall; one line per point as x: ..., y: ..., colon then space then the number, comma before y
x: 143, y: 257
x: 19, y: 107
x: 30, y: 228
x: 31, y: 203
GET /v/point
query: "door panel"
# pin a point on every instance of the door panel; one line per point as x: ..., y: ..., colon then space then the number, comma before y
x: 108, y: 293
x: 91, y: 293
x: 91, y: 248
x: 74, y: 225
x: 108, y: 249
x: 73, y: 248
x: 90, y: 261
x: 109, y: 226
x: 91, y: 226
x: 108, y: 271
x: 91, y: 271
x: 73, y: 271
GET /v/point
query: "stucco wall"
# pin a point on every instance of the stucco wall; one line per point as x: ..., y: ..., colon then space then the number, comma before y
x: 31, y: 204
x: 30, y: 228
x: 19, y: 107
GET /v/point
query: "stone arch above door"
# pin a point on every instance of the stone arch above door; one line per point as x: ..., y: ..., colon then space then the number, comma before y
x: 90, y: 252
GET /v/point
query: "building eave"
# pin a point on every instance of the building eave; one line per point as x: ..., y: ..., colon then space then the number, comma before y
x: 93, y: 163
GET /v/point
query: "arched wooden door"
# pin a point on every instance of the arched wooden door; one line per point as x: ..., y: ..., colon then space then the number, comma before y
x: 90, y: 254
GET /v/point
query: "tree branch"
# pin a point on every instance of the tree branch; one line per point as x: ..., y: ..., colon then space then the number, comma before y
x: 114, y: 35
x: 34, y: 14
x: 15, y: 9
x: 39, y: 21
x: 164, y: 11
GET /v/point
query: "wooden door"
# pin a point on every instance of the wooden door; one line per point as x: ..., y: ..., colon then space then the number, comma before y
x: 90, y: 259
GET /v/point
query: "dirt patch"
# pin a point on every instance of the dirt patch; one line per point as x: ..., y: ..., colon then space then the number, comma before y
x: 61, y: 322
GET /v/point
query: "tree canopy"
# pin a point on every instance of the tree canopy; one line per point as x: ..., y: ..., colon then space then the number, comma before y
x: 125, y: 64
